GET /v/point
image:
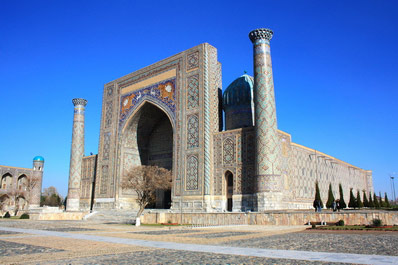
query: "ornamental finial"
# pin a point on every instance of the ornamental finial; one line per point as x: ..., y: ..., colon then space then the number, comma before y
x: 261, y: 34
x: 79, y: 101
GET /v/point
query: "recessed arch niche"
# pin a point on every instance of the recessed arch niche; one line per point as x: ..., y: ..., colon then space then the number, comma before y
x: 148, y: 140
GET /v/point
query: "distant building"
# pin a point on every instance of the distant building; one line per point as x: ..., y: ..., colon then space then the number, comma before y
x: 170, y: 114
x: 20, y: 188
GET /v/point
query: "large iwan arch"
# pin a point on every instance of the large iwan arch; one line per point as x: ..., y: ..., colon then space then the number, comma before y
x: 147, y: 139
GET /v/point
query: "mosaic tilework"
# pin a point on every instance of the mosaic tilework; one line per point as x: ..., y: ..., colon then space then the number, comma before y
x: 193, y: 131
x: 109, y: 91
x: 192, y: 172
x: 228, y: 151
x: 162, y: 93
x: 77, y: 151
x: 193, y: 92
x: 106, y: 146
x: 192, y: 61
x: 104, y: 180
x: 108, y: 114
x: 267, y: 143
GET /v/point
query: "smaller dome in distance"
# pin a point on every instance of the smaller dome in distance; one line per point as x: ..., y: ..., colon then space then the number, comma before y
x: 38, y: 158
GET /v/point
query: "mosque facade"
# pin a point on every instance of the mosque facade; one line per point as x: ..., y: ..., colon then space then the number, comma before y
x: 170, y: 114
x: 20, y: 188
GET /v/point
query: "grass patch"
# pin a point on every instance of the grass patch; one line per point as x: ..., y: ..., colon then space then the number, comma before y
x: 358, y: 227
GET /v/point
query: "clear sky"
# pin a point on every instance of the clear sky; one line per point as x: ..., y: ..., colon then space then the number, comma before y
x: 335, y: 69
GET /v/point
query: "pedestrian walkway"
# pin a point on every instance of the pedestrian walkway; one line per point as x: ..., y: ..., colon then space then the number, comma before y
x: 253, y: 252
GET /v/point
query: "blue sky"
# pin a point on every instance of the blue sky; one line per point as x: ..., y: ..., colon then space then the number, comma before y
x: 335, y: 70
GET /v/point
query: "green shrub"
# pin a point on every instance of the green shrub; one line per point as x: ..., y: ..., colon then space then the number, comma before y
x: 7, y: 215
x: 313, y: 226
x: 340, y: 223
x: 353, y: 201
x: 377, y: 222
x: 341, y: 202
x: 329, y: 203
x: 24, y: 216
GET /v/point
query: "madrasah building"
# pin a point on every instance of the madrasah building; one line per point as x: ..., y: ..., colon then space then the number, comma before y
x: 170, y: 114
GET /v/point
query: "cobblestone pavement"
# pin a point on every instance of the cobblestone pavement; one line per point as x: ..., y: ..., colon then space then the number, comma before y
x: 167, y: 232
x: 77, y: 242
x: 219, y: 234
x: 364, y: 243
x: 177, y: 257
x: 11, y: 249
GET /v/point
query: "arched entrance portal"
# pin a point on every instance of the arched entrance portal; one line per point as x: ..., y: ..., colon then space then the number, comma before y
x: 149, y: 141
x: 229, y: 181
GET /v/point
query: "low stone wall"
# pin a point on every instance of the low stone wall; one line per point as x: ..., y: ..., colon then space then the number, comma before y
x: 58, y: 216
x: 271, y: 218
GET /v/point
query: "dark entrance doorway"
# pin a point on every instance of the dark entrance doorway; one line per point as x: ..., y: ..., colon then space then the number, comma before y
x: 155, y: 146
x: 229, y: 181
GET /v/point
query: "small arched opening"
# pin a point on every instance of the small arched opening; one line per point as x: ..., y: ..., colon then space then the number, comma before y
x: 229, y: 189
x: 6, y: 181
x: 22, y: 184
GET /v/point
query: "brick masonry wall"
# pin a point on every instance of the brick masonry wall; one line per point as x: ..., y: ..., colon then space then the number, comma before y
x: 272, y: 218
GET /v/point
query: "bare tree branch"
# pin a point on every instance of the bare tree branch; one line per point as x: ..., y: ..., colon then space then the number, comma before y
x: 145, y: 180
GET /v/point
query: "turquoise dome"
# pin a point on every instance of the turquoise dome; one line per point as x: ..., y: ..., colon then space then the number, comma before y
x: 38, y: 158
x: 239, y: 92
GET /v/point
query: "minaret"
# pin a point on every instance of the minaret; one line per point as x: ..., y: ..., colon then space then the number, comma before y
x: 267, y: 143
x: 76, y: 155
x: 35, y: 182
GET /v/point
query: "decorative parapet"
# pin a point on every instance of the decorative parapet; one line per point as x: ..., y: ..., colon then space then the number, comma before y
x: 260, y: 34
x: 79, y: 102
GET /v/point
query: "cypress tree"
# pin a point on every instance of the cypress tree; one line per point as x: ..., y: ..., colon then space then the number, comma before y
x: 371, y: 204
x: 358, y: 201
x: 342, y: 202
x: 387, y: 203
x: 381, y: 203
x: 317, y: 195
x: 376, y: 201
x: 329, y: 203
x: 365, y: 200
x: 352, y: 203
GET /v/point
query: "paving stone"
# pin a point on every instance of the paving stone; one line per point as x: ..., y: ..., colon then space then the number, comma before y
x: 221, y: 234
x: 166, y: 232
x: 69, y: 229
x: 12, y: 249
x: 376, y: 244
x: 177, y: 257
x: 8, y: 232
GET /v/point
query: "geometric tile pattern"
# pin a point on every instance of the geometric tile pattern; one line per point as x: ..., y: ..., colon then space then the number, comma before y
x: 77, y: 149
x: 193, y: 131
x: 192, y: 172
x: 228, y: 151
x: 108, y: 113
x: 193, y: 92
x: 106, y: 146
x: 267, y: 142
x: 192, y: 61
x: 104, y: 180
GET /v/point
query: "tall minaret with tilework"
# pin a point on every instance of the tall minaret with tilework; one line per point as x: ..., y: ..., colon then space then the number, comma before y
x: 268, y: 175
x: 77, y: 152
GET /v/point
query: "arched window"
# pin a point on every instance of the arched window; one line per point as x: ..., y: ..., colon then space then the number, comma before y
x: 6, y: 181
x: 22, y: 183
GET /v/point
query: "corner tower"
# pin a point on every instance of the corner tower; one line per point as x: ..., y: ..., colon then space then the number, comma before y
x: 77, y: 151
x: 36, y: 182
x: 267, y: 156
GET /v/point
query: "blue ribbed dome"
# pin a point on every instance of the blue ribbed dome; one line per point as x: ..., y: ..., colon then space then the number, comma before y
x: 38, y: 158
x: 239, y: 92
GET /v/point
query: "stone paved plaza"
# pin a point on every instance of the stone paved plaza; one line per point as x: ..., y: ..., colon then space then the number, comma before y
x: 78, y: 242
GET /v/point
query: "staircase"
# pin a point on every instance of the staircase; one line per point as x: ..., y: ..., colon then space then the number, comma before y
x: 112, y: 216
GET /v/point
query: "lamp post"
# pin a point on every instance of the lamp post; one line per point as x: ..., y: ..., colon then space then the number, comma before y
x: 393, y: 186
